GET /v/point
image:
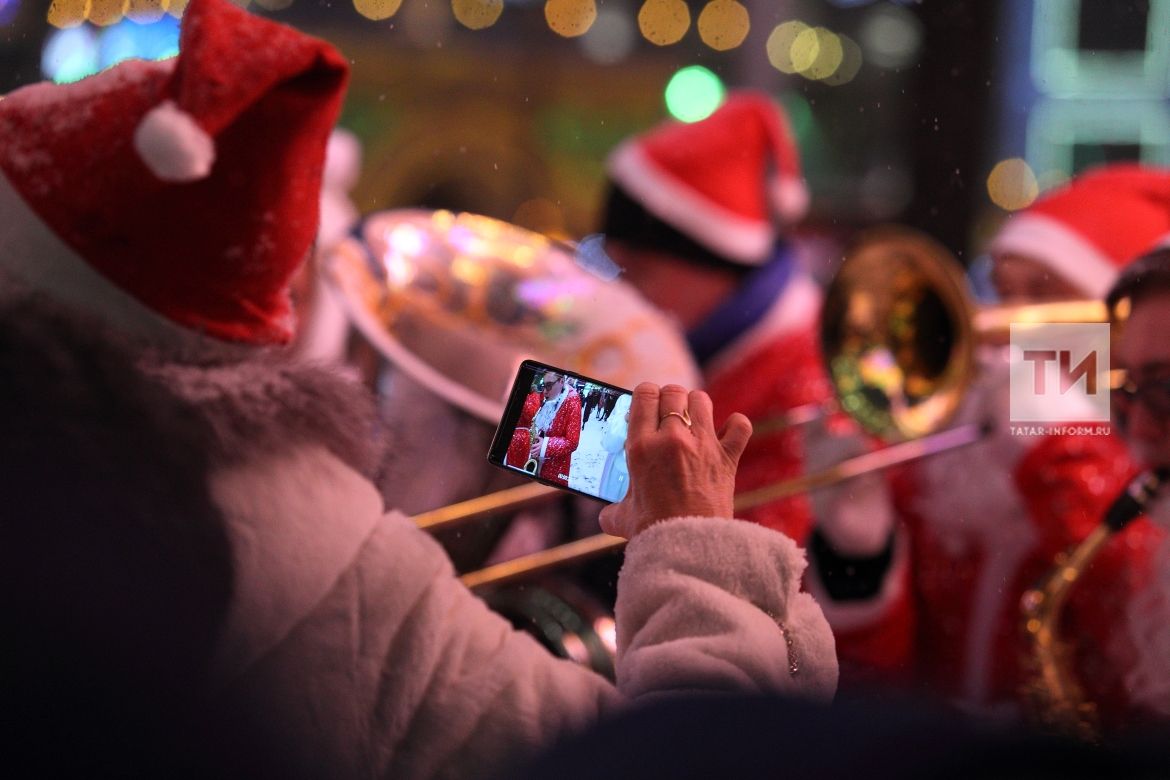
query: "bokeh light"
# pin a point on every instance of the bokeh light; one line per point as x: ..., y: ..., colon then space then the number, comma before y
x: 1011, y: 185
x: 103, y: 13
x: 177, y: 7
x: 70, y: 54
x: 817, y: 53
x: 146, y: 11
x: 805, y: 50
x: 64, y: 14
x: 779, y: 45
x: 891, y: 36
x: 663, y: 22
x: 829, y: 54
x: 611, y: 38
x: 377, y: 9
x: 851, y: 60
x: 77, y: 52
x: 570, y: 18
x: 723, y: 24
x: 477, y: 14
x: 8, y: 11
x: 693, y: 93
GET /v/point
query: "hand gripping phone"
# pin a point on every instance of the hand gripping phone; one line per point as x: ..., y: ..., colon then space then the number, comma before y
x: 564, y: 429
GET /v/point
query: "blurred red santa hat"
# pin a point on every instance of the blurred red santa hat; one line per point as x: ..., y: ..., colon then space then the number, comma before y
x: 722, y: 181
x: 189, y: 186
x: 1090, y: 228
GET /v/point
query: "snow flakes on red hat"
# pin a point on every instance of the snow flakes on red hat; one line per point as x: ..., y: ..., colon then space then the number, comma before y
x: 722, y: 181
x: 191, y: 185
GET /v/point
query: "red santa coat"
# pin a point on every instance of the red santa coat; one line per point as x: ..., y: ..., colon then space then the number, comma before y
x: 560, y: 440
x: 949, y: 616
x: 770, y: 369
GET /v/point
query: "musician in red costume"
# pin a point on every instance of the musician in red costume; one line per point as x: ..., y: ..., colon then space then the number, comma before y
x: 554, y: 412
x: 1142, y: 413
x: 983, y: 524
x: 699, y: 218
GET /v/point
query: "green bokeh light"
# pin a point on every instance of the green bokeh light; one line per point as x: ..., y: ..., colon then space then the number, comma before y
x: 693, y: 93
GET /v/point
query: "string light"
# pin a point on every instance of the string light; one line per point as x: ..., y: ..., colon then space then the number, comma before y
x: 146, y: 11
x: 76, y: 52
x: 377, y: 10
x: 477, y: 14
x: 570, y: 18
x: 67, y: 13
x: 663, y: 22
x: 723, y: 24
x: 103, y: 13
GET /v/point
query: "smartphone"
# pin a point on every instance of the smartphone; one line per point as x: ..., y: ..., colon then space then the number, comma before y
x: 564, y: 429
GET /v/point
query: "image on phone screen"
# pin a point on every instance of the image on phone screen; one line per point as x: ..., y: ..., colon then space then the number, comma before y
x: 565, y: 429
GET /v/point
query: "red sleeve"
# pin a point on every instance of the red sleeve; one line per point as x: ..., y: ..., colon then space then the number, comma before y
x: 568, y: 429
x: 518, y: 448
x: 1067, y: 483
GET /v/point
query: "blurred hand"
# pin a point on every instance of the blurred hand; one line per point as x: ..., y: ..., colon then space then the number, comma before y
x: 676, y: 471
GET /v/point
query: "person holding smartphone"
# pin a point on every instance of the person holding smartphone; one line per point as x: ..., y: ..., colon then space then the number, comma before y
x: 346, y: 647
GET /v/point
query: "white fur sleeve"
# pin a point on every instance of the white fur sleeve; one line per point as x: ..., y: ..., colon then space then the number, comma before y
x: 709, y: 604
x: 399, y: 671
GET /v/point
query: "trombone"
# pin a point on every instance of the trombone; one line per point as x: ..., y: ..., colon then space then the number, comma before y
x: 898, y: 333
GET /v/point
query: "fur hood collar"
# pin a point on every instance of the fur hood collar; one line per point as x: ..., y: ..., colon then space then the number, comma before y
x: 242, y: 402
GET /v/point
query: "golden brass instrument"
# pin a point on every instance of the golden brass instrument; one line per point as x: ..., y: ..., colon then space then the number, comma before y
x: 898, y: 333
x: 532, y: 465
x: 1051, y: 691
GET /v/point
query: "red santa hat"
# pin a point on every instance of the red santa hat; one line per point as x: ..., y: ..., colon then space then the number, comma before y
x: 187, y: 188
x: 721, y: 181
x: 1089, y: 229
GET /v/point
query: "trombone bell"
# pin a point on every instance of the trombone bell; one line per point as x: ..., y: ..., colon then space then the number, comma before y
x: 896, y: 334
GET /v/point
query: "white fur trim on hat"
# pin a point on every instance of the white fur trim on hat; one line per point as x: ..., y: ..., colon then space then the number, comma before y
x: 740, y: 240
x: 1062, y: 249
x: 173, y: 146
x: 789, y: 197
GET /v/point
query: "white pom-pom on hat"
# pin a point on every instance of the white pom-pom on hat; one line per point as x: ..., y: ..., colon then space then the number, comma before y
x: 172, y: 145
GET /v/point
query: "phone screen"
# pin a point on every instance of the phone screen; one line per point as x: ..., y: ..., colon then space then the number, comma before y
x: 567, y: 430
